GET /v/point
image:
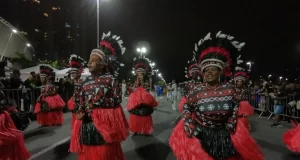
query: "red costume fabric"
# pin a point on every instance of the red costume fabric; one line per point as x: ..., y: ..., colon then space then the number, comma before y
x: 291, y: 138
x: 71, y: 103
x: 12, y: 145
x: 99, y: 133
x: 140, y: 106
x: 49, y: 106
x: 245, y: 108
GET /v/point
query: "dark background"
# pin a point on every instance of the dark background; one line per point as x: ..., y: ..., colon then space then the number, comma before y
x: 169, y: 29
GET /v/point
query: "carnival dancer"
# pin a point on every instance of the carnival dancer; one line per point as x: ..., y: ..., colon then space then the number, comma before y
x: 49, y: 104
x: 210, y: 129
x: 193, y: 72
x: 12, y: 145
x: 245, y: 109
x: 76, y: 63
x: 141, y: 103
x: 101, y: 125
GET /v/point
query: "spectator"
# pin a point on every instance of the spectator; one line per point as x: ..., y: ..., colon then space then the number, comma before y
x: 279, y: 98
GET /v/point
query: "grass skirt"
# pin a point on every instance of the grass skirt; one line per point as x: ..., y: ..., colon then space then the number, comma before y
x: 12, y: 145
x: 50, y: 118
x: 111, y: 123
x: 140, y: 124
x: 186, y: 148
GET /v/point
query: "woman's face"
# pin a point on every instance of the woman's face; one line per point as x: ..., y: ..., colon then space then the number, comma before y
x: 73, y: 75
x: 211, y: 74
x: 239, y: 83
x: 195, y: 75
x: 43, y: 79
x: 95, y: 63
x: 140, y: 76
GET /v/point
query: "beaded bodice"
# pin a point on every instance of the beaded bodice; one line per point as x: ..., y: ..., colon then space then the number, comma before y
x: 101, y: 92
x: 242, y: 93
x: 210, y: 107
x: 191, y: 84
x: 48, y: 89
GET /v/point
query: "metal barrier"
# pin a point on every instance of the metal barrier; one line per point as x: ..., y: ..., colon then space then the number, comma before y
x: 265, y: 105
x: 25, y: 99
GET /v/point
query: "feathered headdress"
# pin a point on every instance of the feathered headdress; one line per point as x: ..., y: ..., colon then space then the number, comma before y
x: 109, y: 49
x: 45, y: 71
x: 220, y: 51
x: 76, y: 63
x: 191, y: 67
x: 142, y: 65
x: 240, y: 73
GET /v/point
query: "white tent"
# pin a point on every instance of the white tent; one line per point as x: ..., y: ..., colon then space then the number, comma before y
x: 25, y: 73
x: 64, y: 72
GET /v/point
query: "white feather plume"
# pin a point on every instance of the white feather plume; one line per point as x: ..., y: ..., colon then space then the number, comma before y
x: 207, y: 37
x: 218, y: 34
x: 196, y: 47
x: 121, y: 64
x: 239, y: 68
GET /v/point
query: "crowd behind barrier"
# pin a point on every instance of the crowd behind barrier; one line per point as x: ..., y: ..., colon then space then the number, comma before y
x: 25, y: 99
x: 264, y: 105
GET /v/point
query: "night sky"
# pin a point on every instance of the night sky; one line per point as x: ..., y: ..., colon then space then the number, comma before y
x: 170, y: 29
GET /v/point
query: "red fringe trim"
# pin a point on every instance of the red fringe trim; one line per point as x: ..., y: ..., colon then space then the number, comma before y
x: 245, y: 109
x: 186, y: 148
x: 73, y: 119
x: 37, y: 108
x: 12, y: 145
x: 55, y: 102
x: 111, y: 123
x: 140, y: 96
x: 75, y: 145
x: 50, y: 118
x: 245, y: 121
x: 291, y: 139
x: 140, y: 124
x: 71, y: 104
x: 112, y: 151
x: 245, y: 144
x: 181, y: 103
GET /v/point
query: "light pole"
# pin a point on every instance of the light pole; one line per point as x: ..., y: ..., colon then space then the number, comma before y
x: 12, y: 32
x: 141, y: 51
x: 98, y: 23
x: 269, y: 76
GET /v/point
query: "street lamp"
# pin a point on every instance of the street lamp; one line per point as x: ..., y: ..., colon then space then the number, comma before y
x: 159, y: 74
x: 153, y: 64
x: 280, y: 78
x: 249, y: 64
x: 13, y: 31
x: 133, y: 72
x: 28, y: 44
x: 141, y: 50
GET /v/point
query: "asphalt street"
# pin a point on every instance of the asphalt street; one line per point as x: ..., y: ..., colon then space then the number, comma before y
x: 52, y: 143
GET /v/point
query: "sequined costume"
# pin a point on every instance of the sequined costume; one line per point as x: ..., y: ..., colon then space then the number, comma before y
x: 12, y: 145
x: 141, y: 103
x: 192, y: 70
x: 210, y: 129
x: 76, y: 63
x: 99, y: 133
x: 245, y: 108
x: 49, y: 105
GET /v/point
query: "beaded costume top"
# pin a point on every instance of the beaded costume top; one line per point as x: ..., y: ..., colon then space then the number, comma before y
x: 189, y: 85
x: 242, y: 94
x: 211, y: 108
x: 48, y: 89
x: 101, y: 92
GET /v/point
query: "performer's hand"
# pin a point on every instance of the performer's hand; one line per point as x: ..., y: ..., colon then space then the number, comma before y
x: 90, y: 106
x: 80, y: 115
